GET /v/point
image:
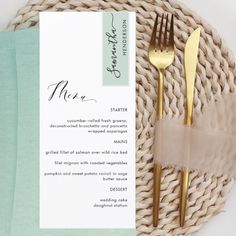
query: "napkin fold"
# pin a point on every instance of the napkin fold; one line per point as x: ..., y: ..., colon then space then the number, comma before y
x: 19, y: 140
x: 8, y: 129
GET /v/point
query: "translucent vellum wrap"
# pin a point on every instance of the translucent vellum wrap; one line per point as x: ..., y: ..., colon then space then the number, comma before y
x: 208, y: 146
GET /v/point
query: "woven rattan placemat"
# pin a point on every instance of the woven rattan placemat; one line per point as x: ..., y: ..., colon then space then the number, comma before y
x: 216, y: 75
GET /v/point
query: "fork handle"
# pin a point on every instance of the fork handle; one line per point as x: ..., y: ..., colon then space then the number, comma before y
x: 156, y: 192
x: 160, y: 94
x: 157, y: 165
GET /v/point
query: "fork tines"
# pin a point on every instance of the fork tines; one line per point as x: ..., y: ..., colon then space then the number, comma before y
x: 165, y: 39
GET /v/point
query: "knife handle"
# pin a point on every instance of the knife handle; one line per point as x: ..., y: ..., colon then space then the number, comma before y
x: 185, y: 176
x: 183, y: 195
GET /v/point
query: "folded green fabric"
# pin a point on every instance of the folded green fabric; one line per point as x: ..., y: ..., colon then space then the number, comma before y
x: 19, y: 107
x: 8, y: 129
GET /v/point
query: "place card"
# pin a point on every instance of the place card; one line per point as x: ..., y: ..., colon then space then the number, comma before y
x: 87, y: 120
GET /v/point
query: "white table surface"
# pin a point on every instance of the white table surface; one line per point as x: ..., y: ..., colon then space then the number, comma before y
x: 221, y: 14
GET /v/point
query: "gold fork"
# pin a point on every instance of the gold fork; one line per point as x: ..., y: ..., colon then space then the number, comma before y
x: 161, y: 55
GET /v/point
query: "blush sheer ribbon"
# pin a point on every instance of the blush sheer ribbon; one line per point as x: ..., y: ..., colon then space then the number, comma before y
x: 208, y: 146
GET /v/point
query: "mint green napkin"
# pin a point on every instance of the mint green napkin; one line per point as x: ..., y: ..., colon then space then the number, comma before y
x: 8, y: 129
x: 19, y: 107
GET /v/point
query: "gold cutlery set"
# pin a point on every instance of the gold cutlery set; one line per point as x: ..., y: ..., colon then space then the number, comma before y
x: 161, y: 55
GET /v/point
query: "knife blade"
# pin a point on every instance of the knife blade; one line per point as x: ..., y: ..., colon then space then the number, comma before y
x: 190, y: 63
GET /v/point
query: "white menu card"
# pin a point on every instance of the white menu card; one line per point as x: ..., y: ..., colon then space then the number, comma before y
x: 87, y: 120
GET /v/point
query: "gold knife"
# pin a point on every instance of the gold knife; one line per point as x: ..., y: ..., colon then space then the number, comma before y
x: 190, y: 63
